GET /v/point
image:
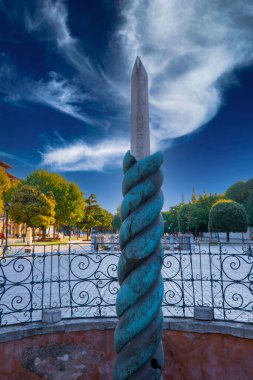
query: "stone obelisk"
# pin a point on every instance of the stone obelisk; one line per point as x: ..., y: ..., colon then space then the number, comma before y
x: 140, y: 140
x: 138, y: 334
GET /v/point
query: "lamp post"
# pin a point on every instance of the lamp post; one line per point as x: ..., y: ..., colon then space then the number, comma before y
x: 7, y: 206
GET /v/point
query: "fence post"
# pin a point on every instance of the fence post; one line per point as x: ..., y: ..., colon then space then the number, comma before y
x: 92, y: 243
x: 172, y: 246
x: 112, y: 243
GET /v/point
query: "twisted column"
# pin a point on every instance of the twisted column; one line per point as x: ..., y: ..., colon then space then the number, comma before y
x: 138, y: 334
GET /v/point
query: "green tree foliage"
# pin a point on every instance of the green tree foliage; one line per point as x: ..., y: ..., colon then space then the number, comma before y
x: 249, y: 186
x: 74, y: 207
x: 227, y: 216
x: 90, y: 214
x: 202, y: 209
x: 5, y: 185
x: 70, y: 203
x: 116, y: 221
x: 5, y: 181
x: 238, y: 192
x: 52, y: 184
x: 104, y: 219
x: 13, y: 187
x: 186, y: 218
x: 249, y: 208
x: 193, y: 217
x: 241, y: 192
x: 95, y: 216
x: 171, y: 219
x: 31, y: 206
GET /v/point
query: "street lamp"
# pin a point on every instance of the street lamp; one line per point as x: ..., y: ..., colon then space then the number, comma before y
x: 7, y: 206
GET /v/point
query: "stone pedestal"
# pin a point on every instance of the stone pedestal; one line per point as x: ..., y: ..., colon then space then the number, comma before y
x: 29, y: 240
x: 29, y: 236
x: 204, y: 313
x: 51, y: 315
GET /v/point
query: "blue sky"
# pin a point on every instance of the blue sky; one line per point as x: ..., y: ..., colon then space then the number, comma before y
x: 65, y: 71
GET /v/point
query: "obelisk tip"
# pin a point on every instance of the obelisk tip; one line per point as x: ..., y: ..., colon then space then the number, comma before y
x: 139, y: 67
x: 138, y: 61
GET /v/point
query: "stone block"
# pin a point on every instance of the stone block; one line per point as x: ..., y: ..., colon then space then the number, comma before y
x: 51, y: 315
x: 204, y: 313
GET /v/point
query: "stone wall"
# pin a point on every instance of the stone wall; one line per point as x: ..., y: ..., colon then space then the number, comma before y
x: 195, y: 356
x: 72, y: 350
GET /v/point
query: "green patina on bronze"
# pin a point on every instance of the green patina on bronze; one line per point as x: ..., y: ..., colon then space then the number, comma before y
x: 139, y: 331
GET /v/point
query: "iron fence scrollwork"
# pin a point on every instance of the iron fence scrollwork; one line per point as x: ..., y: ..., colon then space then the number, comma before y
x: 83, y: 282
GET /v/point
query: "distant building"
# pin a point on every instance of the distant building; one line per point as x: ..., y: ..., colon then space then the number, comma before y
x: 5, y: 167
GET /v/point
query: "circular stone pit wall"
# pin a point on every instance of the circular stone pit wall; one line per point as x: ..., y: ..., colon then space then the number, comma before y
x: 83, y: 349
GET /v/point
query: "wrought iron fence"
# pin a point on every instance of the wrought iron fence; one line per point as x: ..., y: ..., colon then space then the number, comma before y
x: 219, y: 276
x: 81, y: 280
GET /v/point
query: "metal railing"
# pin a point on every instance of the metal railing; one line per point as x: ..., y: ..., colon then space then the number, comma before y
x: 81, y: 280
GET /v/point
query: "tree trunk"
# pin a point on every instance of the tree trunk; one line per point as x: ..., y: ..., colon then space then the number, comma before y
x: 227, y: 237
x: 3, y: 231
x: 43, y: 233
x: 24, y: 232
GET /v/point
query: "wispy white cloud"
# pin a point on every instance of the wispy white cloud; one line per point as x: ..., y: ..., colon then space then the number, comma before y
x: 55, y: 14
x: 82, y: 156
x: 187, y: 48
x: 60, y: 94
x: 56, y: 92
x: 7, y: 155
x: 52, y: 17
x: 49, y: 19
x: 15, y: 158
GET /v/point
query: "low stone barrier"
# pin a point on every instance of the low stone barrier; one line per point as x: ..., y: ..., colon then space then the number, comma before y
x: 83, y: 349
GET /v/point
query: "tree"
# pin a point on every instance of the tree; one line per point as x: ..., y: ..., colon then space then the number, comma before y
x: 202, y: 209
x: 74, y: 207
x: 227, y: 216
x: 249, y: 186
x: 116, y: 219
x: 238, y: 192
x: 249, y: 208
x: 13, y: 187
x: 186, y: 218
x: 5, y: 184
x: 69, y: 206
x: 95, y: 216
x: 241, y: 192
x: 30, y: 206
x: 171, y: 219
x: 91, y: 210
x: 104, y: 219
x: 194, y: 216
